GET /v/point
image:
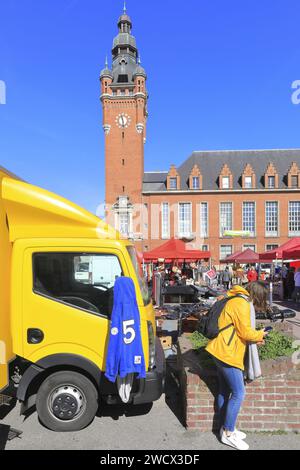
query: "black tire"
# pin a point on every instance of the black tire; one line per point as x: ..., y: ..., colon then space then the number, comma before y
x: 56, y: 386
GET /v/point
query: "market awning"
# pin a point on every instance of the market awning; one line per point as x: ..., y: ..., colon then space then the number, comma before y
x: 231, y: 258
x: 243, y: 257
x: 175, y: 250
x: 292, y: 253
x: 277, y: 253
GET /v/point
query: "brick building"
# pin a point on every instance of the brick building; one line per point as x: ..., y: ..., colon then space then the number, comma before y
x: 211, y: 193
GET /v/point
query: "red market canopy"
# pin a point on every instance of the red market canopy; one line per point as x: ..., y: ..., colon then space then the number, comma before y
x: 243, y: 257
x: 277, y: 253
x: 175, y: 250
x: 292, y: 253
x: 231, y: 258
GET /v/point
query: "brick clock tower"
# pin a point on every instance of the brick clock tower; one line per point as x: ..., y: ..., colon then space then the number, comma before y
x: 124, y: 103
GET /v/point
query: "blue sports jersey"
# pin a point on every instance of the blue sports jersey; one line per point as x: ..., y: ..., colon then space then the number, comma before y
x: 125, y: 352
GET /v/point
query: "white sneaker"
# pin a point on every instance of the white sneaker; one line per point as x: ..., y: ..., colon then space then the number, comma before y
x: 234, y: 442
x: 240, y: 435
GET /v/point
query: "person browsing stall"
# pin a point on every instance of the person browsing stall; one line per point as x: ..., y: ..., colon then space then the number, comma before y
x: 228, y: 350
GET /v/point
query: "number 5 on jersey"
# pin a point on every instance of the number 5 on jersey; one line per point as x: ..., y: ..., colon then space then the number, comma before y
x: 128, y: 330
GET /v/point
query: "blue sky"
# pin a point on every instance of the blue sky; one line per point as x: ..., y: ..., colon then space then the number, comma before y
x: 219, y: 77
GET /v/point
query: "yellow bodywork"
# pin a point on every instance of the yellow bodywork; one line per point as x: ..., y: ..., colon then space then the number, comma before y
x: 6, y: 353
x: 40, y: 221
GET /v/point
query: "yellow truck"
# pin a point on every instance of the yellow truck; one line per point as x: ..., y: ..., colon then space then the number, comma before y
x: 54, y: 316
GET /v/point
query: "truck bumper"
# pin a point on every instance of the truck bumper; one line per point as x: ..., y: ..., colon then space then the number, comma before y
x: 152, y: 387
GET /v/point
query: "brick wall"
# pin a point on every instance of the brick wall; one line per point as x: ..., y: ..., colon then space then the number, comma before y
x: 272, y: 402
x: 214, y: 240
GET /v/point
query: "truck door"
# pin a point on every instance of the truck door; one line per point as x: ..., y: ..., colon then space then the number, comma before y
x: 63, y: 313
x: 6, y: 353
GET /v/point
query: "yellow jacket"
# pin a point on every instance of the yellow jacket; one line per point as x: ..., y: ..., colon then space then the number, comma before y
x: 230, y: 344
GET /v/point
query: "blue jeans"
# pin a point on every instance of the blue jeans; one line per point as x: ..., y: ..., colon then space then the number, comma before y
x: 231, y: 394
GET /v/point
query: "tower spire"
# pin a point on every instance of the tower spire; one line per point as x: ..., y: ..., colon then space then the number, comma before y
x: 125, y: 9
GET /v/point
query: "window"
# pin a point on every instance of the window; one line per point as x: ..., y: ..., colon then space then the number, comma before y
x: 251, y: 247
x: 123, y: 78
x: 225, y: 217
x: 196, y: 182
x: 225, y: 250
x: 271, y: 182
x: 271, y: 247
x: 204, y: 247
x: 272, y: 219
x: 294, y: 181
x: 248, y: 182
x: 81, y: 280
x: 139, y: 272
x: 294, y: 218
x: 165, y: 220
x: 185, y: 219
x: 225, y: 182
x: 173, y: 183
x: 249, y: 218
x: 204, y: 219
x: 124, y: 223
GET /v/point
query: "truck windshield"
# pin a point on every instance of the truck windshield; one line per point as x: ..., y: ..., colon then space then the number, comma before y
x: 138, y: 269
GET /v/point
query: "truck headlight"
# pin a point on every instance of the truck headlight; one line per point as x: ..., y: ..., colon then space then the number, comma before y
x: 152, y: 351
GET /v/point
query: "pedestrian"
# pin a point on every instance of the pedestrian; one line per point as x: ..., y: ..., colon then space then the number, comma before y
x: 228, y: 350
x: 296, y: 293
x: 239, y: 275
x: 262, y: 276
x: 290, y: 283
x: 226, y: 278
x: 252, y: 274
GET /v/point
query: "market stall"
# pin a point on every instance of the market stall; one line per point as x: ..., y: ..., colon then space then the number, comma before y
x: 292, y: 253
x: 175, y: 250
x: 239, y: 258
x: 247, y: 256
x: 277, y: 257
x: 277, y: 253
x: 178, y: 279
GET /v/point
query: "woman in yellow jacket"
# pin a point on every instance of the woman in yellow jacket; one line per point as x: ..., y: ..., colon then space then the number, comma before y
x: 228, y: 350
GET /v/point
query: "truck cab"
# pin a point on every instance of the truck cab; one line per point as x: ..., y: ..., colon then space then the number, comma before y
x: 59, y: 265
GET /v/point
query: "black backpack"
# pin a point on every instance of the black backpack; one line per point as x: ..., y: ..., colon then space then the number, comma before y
x: 208, y: 324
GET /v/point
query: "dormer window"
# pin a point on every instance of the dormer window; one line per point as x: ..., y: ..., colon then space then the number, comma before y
x: 225, y: 178
x: 294, y: 176
x: 248, y: 177
x: 248, y: 182
x: 294, y: 181
x: 173, y: 183
x: 271, y: 182
x: 225, y: 182
x: 195, y: 179
x: 173, y: 179
x: 271, y: 177
x: 196, y: 182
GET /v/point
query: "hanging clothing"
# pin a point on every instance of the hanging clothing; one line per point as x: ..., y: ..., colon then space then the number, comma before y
x: 124, y: 387
x: 125, y: 351
x: 252, y: 363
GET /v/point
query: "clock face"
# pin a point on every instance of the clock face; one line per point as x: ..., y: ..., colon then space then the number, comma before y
x: 123, y: 120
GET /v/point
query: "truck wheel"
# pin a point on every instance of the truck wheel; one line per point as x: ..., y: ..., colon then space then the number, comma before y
x: 67, y: 401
